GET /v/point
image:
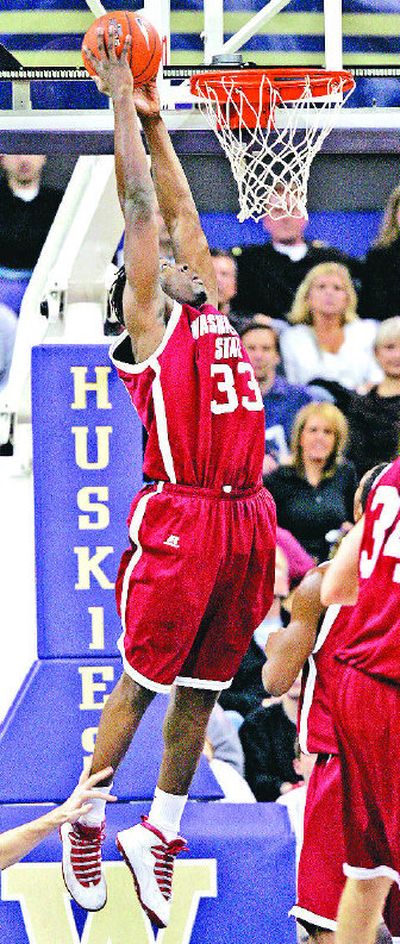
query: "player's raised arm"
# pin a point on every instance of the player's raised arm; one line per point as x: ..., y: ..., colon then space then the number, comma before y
x: 143, y: 301
x: 289, y: 647
x: 340, y: 583
x: 176, y: 203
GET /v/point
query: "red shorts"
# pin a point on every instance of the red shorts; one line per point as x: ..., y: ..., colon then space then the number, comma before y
x: 366, y: 713
x: 320, y: 879
x: 195, y: 584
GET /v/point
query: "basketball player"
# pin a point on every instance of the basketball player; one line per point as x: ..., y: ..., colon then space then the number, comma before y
x: 310, y: 642
x: 198, y: 577
x: 366, y: 707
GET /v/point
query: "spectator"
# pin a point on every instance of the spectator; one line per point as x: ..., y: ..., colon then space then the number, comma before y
x: 269, y: 275
x: 247, y: 691
x: 27, y: 210
x: 8, y: 328
x: 314, y: 491
x: 299, y: 562
x: 374, y: 419
x: 225, y: 755
x: 380, y: 284
x: 268, y: 737
x: 225, y: 268
x: 282, y: 400
x: 327, y: 339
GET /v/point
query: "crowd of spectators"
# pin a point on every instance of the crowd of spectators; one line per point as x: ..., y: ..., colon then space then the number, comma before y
x: 322, y: 331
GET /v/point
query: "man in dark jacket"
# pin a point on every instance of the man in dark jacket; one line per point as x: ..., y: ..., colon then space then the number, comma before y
x: 269, y: 274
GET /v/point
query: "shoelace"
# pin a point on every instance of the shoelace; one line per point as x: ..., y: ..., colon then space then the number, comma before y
x: 86, y: 853
x: 164, y: 856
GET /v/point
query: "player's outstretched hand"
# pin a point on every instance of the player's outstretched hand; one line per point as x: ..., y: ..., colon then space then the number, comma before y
x: 78, y: 804
x: 147, y: 100
x: 113, y: 73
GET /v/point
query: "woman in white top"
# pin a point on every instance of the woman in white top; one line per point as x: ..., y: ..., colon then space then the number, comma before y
x: 328, y: 340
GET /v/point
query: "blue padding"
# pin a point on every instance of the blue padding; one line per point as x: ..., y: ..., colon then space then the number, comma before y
x: 67, y: 610
x: 351, y: 231
x: 249, y: 849
x: 41, y: 738
x: 13, y: 288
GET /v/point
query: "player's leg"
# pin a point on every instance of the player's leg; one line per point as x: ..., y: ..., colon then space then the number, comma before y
x: 119, y: 720
x: 82, y: 841
x: 150, y: 847
x: 320, y: 936
x: 360, y: 910
x: 184, y: 732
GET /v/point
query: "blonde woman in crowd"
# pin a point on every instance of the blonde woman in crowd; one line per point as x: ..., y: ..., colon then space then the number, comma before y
x: 380, y: 284
x: 314, y: 491
x: 328, y: 340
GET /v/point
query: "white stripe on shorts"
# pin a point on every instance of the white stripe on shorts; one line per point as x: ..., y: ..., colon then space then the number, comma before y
x: 134, y: 528
x: 305, y: 915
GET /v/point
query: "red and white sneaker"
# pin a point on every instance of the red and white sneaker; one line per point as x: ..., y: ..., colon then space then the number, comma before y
x: 81, y: 864
x: 150, y: 858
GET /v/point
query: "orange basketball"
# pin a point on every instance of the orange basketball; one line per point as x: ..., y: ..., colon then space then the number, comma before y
x: 145, y: 53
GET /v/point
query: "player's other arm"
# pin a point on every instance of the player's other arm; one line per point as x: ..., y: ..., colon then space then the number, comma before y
x: 143, y: 301
x: 288, y: 648
x: 177, y: 206
x: 340, y: 583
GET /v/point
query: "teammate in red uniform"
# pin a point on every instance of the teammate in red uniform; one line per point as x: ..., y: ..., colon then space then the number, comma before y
x: 310, y: 641
x: 366, y: 573
x: 198, y: 577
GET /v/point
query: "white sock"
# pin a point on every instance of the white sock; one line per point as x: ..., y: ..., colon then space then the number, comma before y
x: 166, y: 812
x: 97, y: 814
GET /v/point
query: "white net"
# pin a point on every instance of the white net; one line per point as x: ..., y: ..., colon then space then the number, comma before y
x: 270, y: 142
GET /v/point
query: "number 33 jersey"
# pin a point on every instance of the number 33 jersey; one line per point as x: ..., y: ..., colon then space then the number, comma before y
x: 199, y: 401
x: 373, y: 632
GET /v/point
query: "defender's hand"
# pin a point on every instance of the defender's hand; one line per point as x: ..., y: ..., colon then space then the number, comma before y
x: 113, y: 74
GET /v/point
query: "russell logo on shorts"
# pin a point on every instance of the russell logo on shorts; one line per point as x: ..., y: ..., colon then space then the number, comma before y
x: 172, y: 541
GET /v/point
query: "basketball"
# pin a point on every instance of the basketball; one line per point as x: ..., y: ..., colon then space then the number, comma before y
x: 145, y: 53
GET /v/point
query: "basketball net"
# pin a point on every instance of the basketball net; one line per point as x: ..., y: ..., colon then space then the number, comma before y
x: 270, y: 141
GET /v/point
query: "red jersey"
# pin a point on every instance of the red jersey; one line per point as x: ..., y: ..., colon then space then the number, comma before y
x: 374, y: 628
x: 199, y: 401
x: 316, y: 731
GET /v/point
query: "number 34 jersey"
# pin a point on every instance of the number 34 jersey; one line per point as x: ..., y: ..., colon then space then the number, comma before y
x: 199, y: 401
x: 374, y: 627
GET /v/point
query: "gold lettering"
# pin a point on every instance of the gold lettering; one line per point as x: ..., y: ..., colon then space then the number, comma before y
x: 88, y: 674
x: 100, y: 386
x: 81, y: 434
x: 88, y: 741
x: 193, y: 879
x: 99, y: 509
x: 122, y: 921
x: 90, y: 565
x: 97, y: 614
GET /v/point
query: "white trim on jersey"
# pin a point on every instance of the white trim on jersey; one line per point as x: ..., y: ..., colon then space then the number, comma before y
x: 317, y: 920
x: 354, y: 871
x: 139, y: 368
x: 161, y: 421
x: 308, y: 696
